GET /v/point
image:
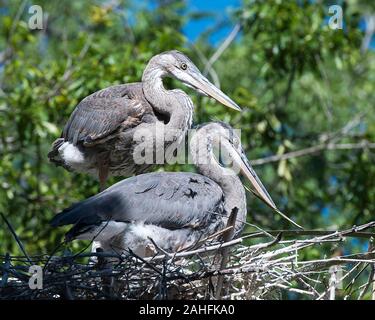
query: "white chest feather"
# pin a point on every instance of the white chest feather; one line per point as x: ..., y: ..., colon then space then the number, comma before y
x: 76, y: 159
x: 71, y: 154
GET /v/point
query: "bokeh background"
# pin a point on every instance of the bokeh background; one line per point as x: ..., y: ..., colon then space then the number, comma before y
x: 308, y: 94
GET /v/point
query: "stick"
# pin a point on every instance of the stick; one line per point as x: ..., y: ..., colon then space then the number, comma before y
x: 225, y: 251
x: 19, y: 242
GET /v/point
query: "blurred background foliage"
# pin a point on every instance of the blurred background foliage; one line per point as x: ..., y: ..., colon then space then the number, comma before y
x: 307, y: 91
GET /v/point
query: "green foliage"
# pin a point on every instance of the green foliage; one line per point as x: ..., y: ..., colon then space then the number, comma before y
x: 299, y: 83
x: 84, y: 48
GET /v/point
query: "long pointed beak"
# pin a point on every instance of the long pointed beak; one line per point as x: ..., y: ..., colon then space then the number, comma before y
x: 259, y: 189
x: 198, y: 81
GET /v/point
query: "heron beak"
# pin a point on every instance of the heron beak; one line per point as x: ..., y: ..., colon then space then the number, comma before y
x: 257, y: 187
x: 200, y: 83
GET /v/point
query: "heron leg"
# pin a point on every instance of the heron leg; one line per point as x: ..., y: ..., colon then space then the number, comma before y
x: 107, y: 281
x: 103, y: 176
x: 103, y: 173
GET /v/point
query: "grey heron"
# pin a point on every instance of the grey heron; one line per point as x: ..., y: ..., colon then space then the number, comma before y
x: 99, y: 135
x: 174, y: 209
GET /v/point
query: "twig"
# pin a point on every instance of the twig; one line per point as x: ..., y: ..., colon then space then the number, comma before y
x: 224, y: 251
x: 19, y: 242
x: 296, y: 233
x: 225, y: 44
x: 276, y: 210
x: 364, y: 144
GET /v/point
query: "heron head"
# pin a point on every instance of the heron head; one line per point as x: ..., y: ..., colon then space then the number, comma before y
x: 180, y: 67
x: 230, y: 154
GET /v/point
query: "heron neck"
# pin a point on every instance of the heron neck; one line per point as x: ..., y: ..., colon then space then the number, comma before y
x: 230, y: 183
x: 175, y: 104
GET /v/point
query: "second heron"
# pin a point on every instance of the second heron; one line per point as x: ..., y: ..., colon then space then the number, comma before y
x: 99, y: 137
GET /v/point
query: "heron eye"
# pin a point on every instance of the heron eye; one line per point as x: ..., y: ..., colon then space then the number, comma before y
x: 183, y: 66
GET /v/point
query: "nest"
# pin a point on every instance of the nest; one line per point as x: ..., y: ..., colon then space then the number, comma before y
x: 274, y: 269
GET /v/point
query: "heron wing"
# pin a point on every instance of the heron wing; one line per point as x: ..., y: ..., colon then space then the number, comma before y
x: 105, y: 111
x: 170, y: 200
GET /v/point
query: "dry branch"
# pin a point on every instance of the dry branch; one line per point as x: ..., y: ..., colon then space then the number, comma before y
x: 257, y: 270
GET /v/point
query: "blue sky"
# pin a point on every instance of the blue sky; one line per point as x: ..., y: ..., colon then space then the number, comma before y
x: 220, y: 9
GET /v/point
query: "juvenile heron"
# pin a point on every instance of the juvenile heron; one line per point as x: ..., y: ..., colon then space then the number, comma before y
x: 175, y: 210
x: 99, y: 135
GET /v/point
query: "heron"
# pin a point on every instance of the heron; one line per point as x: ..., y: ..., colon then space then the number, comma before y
x: 172, y: 210
x: 99, y: 136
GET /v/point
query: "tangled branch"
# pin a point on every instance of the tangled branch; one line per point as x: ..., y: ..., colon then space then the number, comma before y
x: 278, y: 268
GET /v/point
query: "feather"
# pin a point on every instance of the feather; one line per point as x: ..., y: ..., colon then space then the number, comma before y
x: 158, y: 205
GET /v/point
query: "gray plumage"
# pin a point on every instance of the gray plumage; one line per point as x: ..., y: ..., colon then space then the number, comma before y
x: 103, y: 112
x: 169, y: 200
x: 176, y: 210
x: 99, y: 135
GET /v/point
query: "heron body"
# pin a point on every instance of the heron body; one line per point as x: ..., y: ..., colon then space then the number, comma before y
x: 175, y: 210
x: 99, y: 137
